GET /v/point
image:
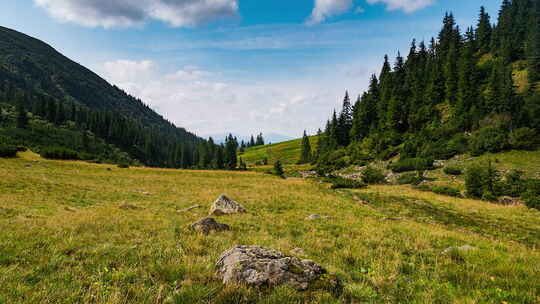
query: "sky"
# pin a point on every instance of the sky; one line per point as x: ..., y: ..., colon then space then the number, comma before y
x: 241, y: 66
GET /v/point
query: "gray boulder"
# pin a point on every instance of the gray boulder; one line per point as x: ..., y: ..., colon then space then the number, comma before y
x: 464, y: 248
x: 317, y: 217
x: 259, y: 266
x: 224, y: 205
x: 207, y: 225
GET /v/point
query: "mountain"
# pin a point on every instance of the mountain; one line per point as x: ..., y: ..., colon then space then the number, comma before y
x: 33, y: 66
x: 61, y: 95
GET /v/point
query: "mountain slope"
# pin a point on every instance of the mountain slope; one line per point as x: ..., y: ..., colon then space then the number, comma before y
x: 31, y: 65
x: 35, y: 78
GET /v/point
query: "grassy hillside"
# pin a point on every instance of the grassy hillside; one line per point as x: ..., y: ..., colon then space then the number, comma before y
x: 287, y: 152
x: 72, y: 232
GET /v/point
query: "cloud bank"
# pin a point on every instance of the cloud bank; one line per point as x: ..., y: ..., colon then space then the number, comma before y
x: 407, y: 6
x: 325, y: 9
x: 203, y: 102
x: 129, y: 13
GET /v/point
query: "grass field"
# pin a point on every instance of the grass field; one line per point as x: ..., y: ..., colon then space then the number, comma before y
x: 287, y: 152
x: 73, y: 232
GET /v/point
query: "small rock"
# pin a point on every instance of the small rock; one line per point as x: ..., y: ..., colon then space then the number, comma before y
x: 189, y: 209
x: 224, y: 205
x: 317, y: 217
x: 207, y: 225
x: 392, y: 219
x: 464, y: 248
x: 308, y: 174
x: 259, y: 266
x: 507, y: 200
x: 298, y: 251
x: 70, y: 209
x: 129, y: 207
x: 28, y: 166
x: 109, y: 169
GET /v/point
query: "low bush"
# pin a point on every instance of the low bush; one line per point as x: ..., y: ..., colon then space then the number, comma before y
x: 410, y: 179
x: 123, y: 166
x: 372, y: 175
x: 412, y: 164
x: 523, y: 139
x: 483, y: 182
x: 59, y: 153
x: 452, y: 170
x: 8, y: 151
x: 531, y: 195
x: 488, y: 139
x: 339, y: 182
x: 446, y: 190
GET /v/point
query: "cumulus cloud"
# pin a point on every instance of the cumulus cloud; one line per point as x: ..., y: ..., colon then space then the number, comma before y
x: 325, y: 9
x: 128, y: 13
x: 203, y: 102
x: 408, y: 6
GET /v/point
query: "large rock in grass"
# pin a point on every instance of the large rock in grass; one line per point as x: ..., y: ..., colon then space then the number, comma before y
x: 224, y: 205
x: 260, y: 266
x: 207, y: 225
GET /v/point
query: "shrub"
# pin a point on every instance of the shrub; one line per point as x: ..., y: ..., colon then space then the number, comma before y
x: 531, y: 196
x: 123, y: 166
x: 523, y: 139
x: 452, y: 170
x: 473, y: 182
x: 278, y: 169
x: 513, y: 185
x: 410, y: 179
x: 446, y: 190
x: 483, y: 182
x: 489, y: 139
x: 372, y: 175
x: 8, y: 151
x: 59, y: 153
x: 339, y: 182
x: 21, y: 149
x: 412, y: 164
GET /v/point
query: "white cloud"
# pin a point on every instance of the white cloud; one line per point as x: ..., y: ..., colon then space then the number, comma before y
x: 408, y: 6
x: 204, y: 103
x: 128, y: 13
x: 325, y: 9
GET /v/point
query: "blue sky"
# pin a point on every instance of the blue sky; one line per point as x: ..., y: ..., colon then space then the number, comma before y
x: 242, y: 66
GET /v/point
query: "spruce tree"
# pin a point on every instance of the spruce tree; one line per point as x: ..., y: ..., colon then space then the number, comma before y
x: 22, y: 116
x: 344, y: 123
x: 533, y: 46
x: 305, y: 155
x: 483, y: 31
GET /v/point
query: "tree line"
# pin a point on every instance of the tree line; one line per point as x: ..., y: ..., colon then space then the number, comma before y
x: 159, y: 146
x: 465, y: 91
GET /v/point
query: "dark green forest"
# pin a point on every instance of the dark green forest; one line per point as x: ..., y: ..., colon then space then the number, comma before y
x: 473, y: 90
x: 50, y: 103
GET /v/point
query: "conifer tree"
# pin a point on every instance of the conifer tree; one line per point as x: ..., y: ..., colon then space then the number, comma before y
x: 305, y: 155
x: 483, y: 31
x: 533, y: 46
x: 22, y: 116
x: 344, y: 123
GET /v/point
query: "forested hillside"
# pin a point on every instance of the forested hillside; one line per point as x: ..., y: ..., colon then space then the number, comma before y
x: 468, y: 90
x: 53, y: 94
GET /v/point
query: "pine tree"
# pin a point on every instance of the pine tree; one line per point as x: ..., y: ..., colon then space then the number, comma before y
x: 344, y: 123
x: 22, y: 116
x: 305, y: 155
x: 533, y: 46
x: 483, y: 31
x: 231, y: 146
